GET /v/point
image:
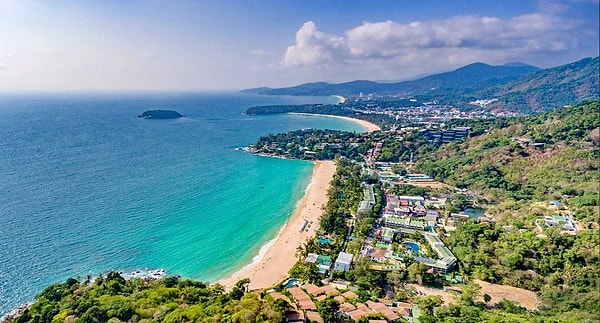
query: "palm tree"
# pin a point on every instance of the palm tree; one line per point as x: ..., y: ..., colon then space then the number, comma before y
x: 313, y: 245
x: 302, y: 251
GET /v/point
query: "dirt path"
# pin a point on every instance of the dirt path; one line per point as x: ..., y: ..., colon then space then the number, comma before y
x: 525, y: 298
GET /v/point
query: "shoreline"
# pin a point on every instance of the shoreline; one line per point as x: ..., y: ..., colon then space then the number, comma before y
x: 370, y: 127
x: 340, y: 98
x: 278, y: 255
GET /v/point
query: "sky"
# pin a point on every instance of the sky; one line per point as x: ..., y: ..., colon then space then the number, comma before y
x: 159, y: 45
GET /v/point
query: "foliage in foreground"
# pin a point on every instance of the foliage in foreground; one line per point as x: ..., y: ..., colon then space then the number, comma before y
x: 111, y: 298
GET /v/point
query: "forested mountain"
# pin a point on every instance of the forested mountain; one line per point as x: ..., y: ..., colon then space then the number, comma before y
x: 548, y: 89
x: 538, y: 157
x: 459, y: 78
x: 514, y: 87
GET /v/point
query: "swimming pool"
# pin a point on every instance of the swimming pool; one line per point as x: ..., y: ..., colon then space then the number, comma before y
x: 323, y: 240
x: 412, y: 245
x: 291, y: 282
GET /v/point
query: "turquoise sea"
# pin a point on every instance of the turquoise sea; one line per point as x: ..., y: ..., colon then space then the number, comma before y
x: 87, y: 187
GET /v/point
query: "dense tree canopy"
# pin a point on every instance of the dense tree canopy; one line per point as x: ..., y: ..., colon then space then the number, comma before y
x: 112, y: 298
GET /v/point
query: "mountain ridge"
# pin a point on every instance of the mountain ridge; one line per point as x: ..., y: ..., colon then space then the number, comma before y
x: 514, y: 87
x: 468, y: 74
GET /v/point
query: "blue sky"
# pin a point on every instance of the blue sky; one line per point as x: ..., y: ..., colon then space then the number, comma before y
x: 60, y: 45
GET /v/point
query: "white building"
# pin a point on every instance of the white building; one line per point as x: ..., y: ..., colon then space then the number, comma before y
x: 343, y: 262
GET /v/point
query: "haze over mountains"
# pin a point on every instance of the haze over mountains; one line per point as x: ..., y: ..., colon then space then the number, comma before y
x: 514, y: 86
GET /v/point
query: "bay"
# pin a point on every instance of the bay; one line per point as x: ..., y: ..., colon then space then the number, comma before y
x: 87, y: 187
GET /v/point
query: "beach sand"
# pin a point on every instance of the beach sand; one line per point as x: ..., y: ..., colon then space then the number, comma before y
x: 341, y: 98
x: 281, y: 255
x: 369, y: 126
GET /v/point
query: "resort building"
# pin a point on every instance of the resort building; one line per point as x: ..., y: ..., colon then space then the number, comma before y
x: 383, y: 309
x: 374, y: 254
x: 385, y: 235
x: 405, y: 226
x: 294, y: 316
x: 408, y: 223
x: 368, y: 201
x: 446, y: 136
x: 386, y: 308
x: 447, y: 260
x: 315, y: 290
x: 411, y: 200
x: 323, y: 262
x: 343, y: 262
x: 350, y: 295
x: 340, y: 284
x: 314, y: 317
x: 364, y: 207
x: 562, y: 222
x: 302, y: 299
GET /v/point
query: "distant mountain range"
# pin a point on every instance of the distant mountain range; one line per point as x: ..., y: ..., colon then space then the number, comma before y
x: 462, y: 77
x: 514, y: 86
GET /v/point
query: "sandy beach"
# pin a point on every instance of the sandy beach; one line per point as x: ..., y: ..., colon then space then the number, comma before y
x: 281, y: 256
x: 341, y: 98
x: 368, y: 125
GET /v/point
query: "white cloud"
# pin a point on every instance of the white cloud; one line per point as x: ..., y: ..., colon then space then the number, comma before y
x: 314, y: 47
x: 447, y: 43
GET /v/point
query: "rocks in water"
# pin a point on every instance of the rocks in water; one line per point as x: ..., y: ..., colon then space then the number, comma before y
x: 160, y: 114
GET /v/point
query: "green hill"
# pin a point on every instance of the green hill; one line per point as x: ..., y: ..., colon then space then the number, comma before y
x: 514, y: 168
x: 550, y: 88
x: 111, y: 298
x: 539, y: 157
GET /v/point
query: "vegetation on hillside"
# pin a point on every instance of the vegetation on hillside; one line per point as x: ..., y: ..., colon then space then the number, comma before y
x: 522, y: 89
x: 550, y: 88
x: 564, y: 268
x: 313, y: 144
x: 343, y: 110
x: 111, y: 298
x: 516, y: 162
x: 539, y: 157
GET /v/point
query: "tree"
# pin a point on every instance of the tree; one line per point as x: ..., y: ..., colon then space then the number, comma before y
x: 240, y: 288
x: 304, y: 271
x: 487, y: 298
x: 428, y: 303
x: 217, y: 289
x: 328, y: 309
x: 470, y: 292
x: 302, y: 251
x: 416, y: 271
x: 396, y: 277
x: 95, y: 314
x: 243, y: 284
x: 399, y: 169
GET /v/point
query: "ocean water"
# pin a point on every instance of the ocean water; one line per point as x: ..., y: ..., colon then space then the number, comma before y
x: 87, y: 187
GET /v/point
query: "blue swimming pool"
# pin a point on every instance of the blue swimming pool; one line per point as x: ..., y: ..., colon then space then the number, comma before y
x: 323, y: 240
x: 291, y: 282
x: 412, y: 245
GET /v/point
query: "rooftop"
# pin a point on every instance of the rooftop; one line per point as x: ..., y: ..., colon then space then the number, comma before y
x: 344, y: 258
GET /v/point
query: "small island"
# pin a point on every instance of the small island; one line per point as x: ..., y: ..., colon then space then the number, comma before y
x: 160, y: 114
